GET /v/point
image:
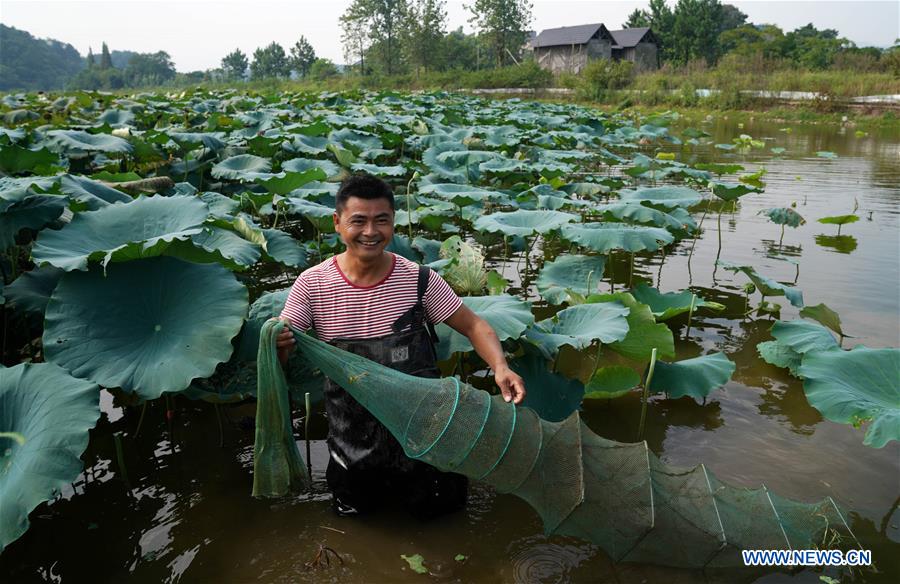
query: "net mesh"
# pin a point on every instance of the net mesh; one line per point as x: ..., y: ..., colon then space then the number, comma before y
x: 620, y: 497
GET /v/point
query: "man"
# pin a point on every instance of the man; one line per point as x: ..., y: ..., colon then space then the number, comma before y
x: 382, y: 306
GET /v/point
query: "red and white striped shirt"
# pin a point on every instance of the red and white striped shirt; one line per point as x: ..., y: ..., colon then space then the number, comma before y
x: 324, y: 299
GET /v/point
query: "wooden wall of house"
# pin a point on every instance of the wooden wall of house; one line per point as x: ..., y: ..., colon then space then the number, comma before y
x: 644, y: 57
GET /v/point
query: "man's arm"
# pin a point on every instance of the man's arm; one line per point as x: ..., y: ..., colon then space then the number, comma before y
x: 487, y: 345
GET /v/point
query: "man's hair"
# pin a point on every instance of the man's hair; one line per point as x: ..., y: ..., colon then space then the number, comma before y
x: 364, y: 186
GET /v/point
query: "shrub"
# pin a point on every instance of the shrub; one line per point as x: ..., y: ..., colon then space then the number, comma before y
x: 602, y: 75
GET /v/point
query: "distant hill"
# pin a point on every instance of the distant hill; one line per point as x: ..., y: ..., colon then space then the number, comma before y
x: 27, y: 62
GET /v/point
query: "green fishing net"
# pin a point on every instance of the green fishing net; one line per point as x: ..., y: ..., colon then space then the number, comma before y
x: 617, y: 496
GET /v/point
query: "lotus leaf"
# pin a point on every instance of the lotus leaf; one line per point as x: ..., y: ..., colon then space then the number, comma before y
x: 284, y: 249
x: 401, y: 245
x: 241, y: 167
x: 522, y: 222
x: 116, y: 118
x: 14, y: 159
x: 227, y: 247
x: 93, y: 194
x: 31, y: 291
x: 267, y: 306
x: 692, y: 377
x: 856, y: 386
x: 285, y: 182
x: 460, y: 194
x: 731, y: 191
x: 766, y: 286
x: 611, y: 382
x: 31, y: 212
x: 77, y: 141
x: 465, y: 269
x: 303, y: 164
x: 210, y: 140
x: 822, y: 314
x: 321, y: 216
x: 604, y: 237
x: 644, y: 333
x: 826, y: 154
x: 578, y: 273
x: 794, y: 339
x: 394, y: 171
x: 633, y: 212
x: 429, y: 248
x: 839, y: 219
x: 355, y: 139
x: 307, y: 145
x: 667, y: 196
x: 220, y: 206
x: 553, y: 396
x: 148, y: 326
x: 51, y: 412
x: 119, y: 232
x: 784, y: 216
x: 670, y: 304
x: 579, y: 326
x: 507, y: 315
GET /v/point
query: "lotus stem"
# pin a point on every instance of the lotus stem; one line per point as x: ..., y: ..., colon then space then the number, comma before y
x: 15, y: 436
x: 630, y: 269
x: 591, y: 273
x: 781, y: 239
x: 690, y: 314
x: 409, y: 206
x: 140, y: 421
x: 645, y: 396
x: 307, y: 403
x: 662, y: 262
x: 120, y: 458
x: 219, y: 422
x: 612, y: 280
x: 697, y: 232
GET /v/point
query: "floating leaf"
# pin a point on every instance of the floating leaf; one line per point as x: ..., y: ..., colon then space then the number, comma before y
x: 416, y: 563
x: 670, y: 304
x: 49, y: 413
x: 523, y: 222
x: 644, y: 333
x: 604, y: 237
x: 579, y: 273
x: 766, y: 286
x: 692, y: 377
x: 856, y: 386
x: 826, y: 154
x: 148, y: 326
x: 553, y: 396
x: 579, y: 326
x: 611, y: 382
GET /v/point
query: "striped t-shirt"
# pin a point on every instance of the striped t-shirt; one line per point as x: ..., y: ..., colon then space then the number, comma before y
x: 324, y: 299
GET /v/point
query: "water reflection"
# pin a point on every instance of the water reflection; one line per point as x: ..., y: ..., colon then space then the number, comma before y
x: 839, y: 243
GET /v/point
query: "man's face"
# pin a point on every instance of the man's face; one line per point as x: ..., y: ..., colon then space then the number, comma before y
x: 366, y: 226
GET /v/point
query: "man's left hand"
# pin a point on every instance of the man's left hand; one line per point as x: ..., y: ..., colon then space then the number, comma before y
x: 511, y: 385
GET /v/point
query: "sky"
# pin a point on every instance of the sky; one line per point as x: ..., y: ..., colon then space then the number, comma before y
x: 198, y: 33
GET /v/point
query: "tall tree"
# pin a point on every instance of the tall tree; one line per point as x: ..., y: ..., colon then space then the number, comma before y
x: 637, y: 19
x: 383, y: 20
x: 302, y: 57
x: 731, y: 18
x: 105, y: 58
x: 696, y: 31
x: 504, y: 23
x: 234, y: 65
x: 90, y: 58
x: 425, y: 31
x: 149, y: 69
x: 355, y: 37
x: 270, y: 62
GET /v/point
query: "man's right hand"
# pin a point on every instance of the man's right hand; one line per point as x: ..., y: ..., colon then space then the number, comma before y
x: 285, y: 342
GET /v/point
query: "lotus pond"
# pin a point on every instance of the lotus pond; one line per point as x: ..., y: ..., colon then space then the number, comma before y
x: 752, y: 267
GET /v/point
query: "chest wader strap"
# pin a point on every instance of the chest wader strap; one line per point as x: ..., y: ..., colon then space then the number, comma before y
x: 416, y: 313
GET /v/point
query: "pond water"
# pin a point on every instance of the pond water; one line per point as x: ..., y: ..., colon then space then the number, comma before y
x: 172, y: 505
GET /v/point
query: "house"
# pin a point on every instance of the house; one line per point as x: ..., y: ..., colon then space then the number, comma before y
x: 569, y: 48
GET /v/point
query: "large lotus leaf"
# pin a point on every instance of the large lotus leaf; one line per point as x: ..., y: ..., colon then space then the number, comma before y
x: 355, y: 139
x: 856, y: 386
x: 116, y: 118
x: 77, y: 141
x: 579, y: 326
x: 285, y: 182
x: 553, y: 396
x: 119, y: 232
x: 784, y: 216
x: 839, y: 219
x: 14, y: 159
x: 666, y: 305
x: 49, y: 413
x: 634, y: 212
x: 241, y: 167
x: 667, y: 196
x: 523, y: 222
x: 148, y: 326
x: 611, y: 382
x: 93, y: 194
x: 31, y: 291
x: 429, y: 248
x: 284, y: 249
x: 507, y: 315
x: 454, y: 162
x: 307, y: 145
x: 210, y: 140
x: 303, y: 164
x: 604, y: 237
x: 693, y: 377
x: 766, y: 286
x: 578, y: 273
x: 321, y: 216
x: 33, y: 211
x: 374, y: 169
x: 644, y: 333
x: 215, y: 244
x: 461, y: 194
x: 793, y: 339
x: 220, y: 206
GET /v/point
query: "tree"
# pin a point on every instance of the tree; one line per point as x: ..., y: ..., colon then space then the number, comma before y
x: 302, y: 57
x: 322, y: 69
x: 105, y: 58
x: 662, y: 20
x: 425, y: 30
x: 637, y: 19
x: 355, y: 37
x: 460, y: 50
x: 234, y: 65
x: 504, y: 23
x: 696, y: 31
x: 149, y: 69
x: 731, y: 17
x: 269, y: 62
x: 90, y: 58
x: 378, y: 21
